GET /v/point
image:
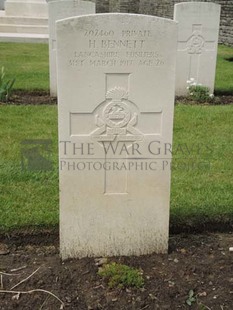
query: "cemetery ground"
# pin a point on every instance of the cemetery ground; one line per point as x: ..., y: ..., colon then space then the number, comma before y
x: 201, y: 205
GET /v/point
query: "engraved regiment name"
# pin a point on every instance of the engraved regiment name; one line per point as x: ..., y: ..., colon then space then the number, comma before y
x: 129, y: 50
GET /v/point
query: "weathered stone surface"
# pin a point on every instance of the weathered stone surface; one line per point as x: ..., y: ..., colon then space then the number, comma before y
x: 116, y: 97
x: 60, y: 10
x: 198, y: 28
x: 26, y: 8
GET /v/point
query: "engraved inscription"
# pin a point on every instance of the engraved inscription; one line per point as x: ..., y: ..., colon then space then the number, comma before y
x: 124, y: 33
x: 130, y: 44
x: 98, y: 33
x: 102, y: 50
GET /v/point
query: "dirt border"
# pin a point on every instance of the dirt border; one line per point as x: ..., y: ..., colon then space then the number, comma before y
x: 47, y: 236
x: 41, y: 97
x: 201, y: 263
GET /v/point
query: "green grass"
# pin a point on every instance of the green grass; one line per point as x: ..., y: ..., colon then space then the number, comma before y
x: 224, y: 71
x: 29, y: 63
x: 204, y: 193
x: 27, y: 198
x: 198, y: 196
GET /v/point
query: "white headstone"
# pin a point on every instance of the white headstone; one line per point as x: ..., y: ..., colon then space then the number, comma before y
x: 116, y: 84
x: 26, y: 8
x: 198, y: 28
x: 59, y: 10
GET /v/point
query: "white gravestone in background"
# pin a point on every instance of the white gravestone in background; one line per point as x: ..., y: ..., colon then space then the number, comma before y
x: 26, y: 8
x: 60, y: 10
x: 116, y: 84
x: 198, y: 28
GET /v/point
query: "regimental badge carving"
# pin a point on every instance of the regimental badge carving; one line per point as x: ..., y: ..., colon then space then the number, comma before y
x: 195, y: 43
x: 116, y: 114
x: 116, y: 118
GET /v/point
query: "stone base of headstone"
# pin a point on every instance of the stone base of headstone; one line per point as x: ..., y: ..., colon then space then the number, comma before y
x: 23, y: 25
x: 26, y: 8
x: 24, y: 21
x: 23, y: 37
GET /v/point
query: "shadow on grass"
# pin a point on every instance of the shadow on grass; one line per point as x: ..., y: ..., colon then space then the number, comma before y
x: 219, y: 92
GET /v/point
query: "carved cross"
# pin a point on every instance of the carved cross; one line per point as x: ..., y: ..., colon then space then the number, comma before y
x: 195, y: 45
x: 116, y: 120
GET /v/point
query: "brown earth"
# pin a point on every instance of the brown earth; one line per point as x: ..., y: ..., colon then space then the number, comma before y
x: 202, y: 263
x: 43, y: 97
x: 31, y: 98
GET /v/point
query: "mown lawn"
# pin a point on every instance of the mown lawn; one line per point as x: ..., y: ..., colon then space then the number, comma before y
x: 28, y: 63
x: 27, y: 198
x: 224, y: 71
x: 202, y: 173
x: 202, y: 180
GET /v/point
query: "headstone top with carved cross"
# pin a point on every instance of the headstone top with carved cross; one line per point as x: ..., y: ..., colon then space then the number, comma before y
x: 59, y: 10
x: 116, y: 96
x: 198, y: 28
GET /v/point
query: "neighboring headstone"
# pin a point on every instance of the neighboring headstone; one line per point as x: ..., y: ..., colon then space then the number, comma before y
x: 26, y: 8
x: 198, y: 28
x: 59, y: 10
x: 116, y: 83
